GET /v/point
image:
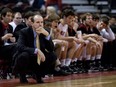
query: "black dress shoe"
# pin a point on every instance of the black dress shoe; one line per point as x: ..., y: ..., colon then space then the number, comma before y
x: 23, y: 78
x: 39, y: 80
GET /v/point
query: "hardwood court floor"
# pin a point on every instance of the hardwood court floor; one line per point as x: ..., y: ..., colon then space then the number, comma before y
x: 99, y: 79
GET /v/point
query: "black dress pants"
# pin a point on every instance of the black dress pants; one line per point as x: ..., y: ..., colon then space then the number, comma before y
x: 26, y: 63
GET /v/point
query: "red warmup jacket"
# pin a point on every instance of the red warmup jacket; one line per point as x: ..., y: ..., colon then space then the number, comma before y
x: 54, y: 2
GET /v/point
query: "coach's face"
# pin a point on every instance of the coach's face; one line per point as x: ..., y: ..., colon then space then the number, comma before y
x: 38, y: 22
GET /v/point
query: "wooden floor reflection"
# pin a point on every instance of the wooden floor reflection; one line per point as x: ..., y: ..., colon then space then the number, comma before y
x: 100, y: 79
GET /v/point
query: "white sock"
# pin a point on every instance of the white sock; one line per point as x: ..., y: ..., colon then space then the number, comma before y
x: 80, y: 58
x: 98, y: 56
x: 93, y: 58
x: 63, y: 62
x: 68, y: 61
x: 88, y: 57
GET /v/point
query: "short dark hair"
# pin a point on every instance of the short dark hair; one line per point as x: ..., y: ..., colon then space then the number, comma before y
x: 5, y: 10
x: 32, y: 18
x: 29, y: 14
x: 96, y: 16
x: 105, y: 19
x: 68, y: 12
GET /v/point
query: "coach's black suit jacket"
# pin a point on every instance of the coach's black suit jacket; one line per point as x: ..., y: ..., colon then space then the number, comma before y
x: 26, y: 44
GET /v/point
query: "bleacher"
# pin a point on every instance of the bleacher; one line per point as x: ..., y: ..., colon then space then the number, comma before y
x: 93, y: 6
